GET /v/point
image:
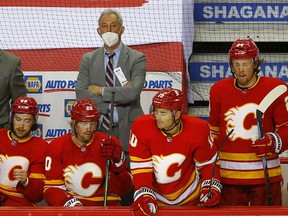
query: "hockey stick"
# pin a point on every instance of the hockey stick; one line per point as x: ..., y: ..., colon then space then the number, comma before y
x: 262, y: 107
x: 215, y: 162
x: 108, y: 161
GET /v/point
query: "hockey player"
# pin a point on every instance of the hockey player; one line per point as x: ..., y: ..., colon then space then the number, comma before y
x: 233, y: 104
x: 76, y: 163
x: 22, y: 157
x: 172, y: 157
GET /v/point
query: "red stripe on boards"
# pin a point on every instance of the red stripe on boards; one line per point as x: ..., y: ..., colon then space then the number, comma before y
x: 163, y: 57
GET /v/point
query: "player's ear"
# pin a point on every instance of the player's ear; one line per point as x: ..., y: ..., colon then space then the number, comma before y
x: 177, y: 114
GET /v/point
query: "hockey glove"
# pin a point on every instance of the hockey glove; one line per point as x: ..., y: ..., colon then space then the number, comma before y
x: 270, y: 144
x: 145, y: 202
x: 213, y: 198
x: 110, y: 149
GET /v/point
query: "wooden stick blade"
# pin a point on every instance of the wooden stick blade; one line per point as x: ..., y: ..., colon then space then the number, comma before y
x: 266, y: 102
x: 271, y: 97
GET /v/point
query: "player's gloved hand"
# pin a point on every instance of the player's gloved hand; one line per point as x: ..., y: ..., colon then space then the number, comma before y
x: 270, y: 144
x: 110, y: 149
x: 145, y: 202
x: 213, y: 198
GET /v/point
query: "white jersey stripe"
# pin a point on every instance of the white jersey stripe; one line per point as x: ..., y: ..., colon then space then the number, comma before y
x: 141, y: 165
x: 248, y: 165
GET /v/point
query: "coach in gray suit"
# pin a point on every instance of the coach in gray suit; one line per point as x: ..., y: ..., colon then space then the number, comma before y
x: 128, y: 62
x: 11, y: 84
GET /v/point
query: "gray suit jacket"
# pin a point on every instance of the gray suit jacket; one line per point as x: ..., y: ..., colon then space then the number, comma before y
x: 11, y: 83
x: 127, y: 98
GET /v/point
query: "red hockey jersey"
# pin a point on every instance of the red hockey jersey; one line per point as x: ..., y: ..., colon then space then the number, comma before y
x: 171, y: 165
x: 75, y: 171
x: 233, y: 108
x: 29, y: 155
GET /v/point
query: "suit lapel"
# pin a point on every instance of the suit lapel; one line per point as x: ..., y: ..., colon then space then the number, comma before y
x: 123, y: 57
x: 100, y: 58
x: 97, y: 74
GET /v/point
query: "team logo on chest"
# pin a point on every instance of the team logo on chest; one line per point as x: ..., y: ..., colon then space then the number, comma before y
x: 237, y: 119
x: 7, y: 164
x: 75, y: 175
x: 163, y: 165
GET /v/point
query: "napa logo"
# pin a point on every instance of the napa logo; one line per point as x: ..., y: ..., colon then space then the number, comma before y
x: 68, y: 103
x: 44, y: 110
x: 60, y: 85
x: 38, y: 132
x: 33, y: 84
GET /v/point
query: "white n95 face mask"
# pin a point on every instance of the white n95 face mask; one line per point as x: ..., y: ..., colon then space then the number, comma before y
x: 110, y: 38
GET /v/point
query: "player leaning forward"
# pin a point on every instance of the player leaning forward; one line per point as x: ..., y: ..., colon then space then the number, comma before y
x: 76, y: 163
x: 233, y: 104
x: 172, y: 157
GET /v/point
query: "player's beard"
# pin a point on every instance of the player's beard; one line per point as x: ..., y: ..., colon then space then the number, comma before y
x: 20, y: 133
x: 84, y: 138
x: 243, y: 81
x: 246, y: 80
